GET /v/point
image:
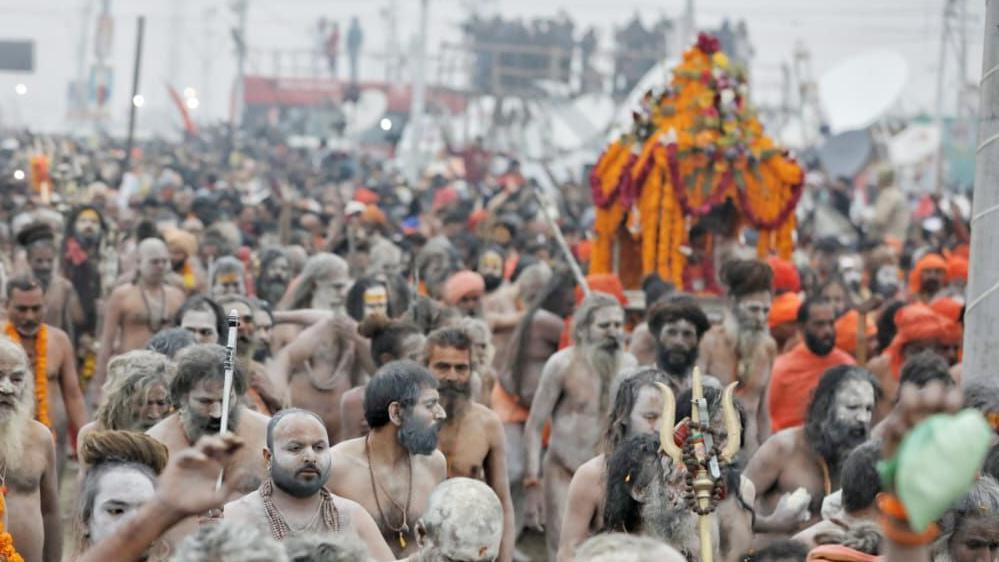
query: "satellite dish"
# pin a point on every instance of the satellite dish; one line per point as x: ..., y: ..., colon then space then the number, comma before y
x: 845, y: 154
x: 914, y: 145
x: 858, y: 91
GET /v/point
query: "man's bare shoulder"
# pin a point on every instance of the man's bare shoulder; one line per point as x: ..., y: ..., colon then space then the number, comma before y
x: 169, y: 432
x: 244, y: 508
x: 486, y: 416
x: 593, y: 470
x: 122, y: 291
x: 351, y: 449
x: 435, y: 461
x: 173, y: 291
x: 39, y: 435
x: 783, y: 442
x: 561, y: 359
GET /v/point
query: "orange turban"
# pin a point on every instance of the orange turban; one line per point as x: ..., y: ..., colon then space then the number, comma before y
x: 785, y: 275
x: 366, y: 196
x: 603, y: 283
x: 957, y: 268
x: 463, y: 284
x: 915, y: 322
x: 929, y: 261
x: 784, y: 309
x: 839, y: 553
x: 846, y: 331
x: 373, y: 215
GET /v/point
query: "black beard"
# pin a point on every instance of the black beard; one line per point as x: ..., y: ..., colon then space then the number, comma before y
x: 675, y: 366
x: 454, y: 395
x: 819, y: 347
x: 929, y: 287
x: 88, y: 240
x: 416, y: 438
x: 836, y: 439
x: 261, y: 354
x: 291, y: 485
x: 272, y: 291
x: 197, y: 426
x: 492, y: 282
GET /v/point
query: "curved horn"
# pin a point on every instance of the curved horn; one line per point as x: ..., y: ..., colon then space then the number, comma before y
x: 666, y: 443
x: 732, y: 425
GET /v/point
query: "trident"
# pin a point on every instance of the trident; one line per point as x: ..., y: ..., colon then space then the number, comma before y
x: 705, y: 469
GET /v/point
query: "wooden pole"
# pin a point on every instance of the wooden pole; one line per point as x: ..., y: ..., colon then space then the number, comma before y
x: 136, y: 70
x: 981, y: 354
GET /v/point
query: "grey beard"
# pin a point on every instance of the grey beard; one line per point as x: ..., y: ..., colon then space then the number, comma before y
x: 605, y: 364
x: 677, y: 527
x: 12, y: 432
x: 747, y: 341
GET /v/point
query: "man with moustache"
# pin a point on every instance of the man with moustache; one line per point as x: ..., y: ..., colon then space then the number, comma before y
x: 260, y: 394
x: 65, y: 407
x: 677, y: 324
x: 275, y: 272
x: 62, y: 304
x: 28, y: 465
x: 82, y: 265
x: 809, y: 459
x: 574, y: 393
x: 472, y: 437
x: 741, y: 349
x: 393, y: 470
x: 137, y: 310
x: 322, y: 285
x: 797, y: 372
x: 185, y: 271
x: 196, y: 391
x: 294, y: 501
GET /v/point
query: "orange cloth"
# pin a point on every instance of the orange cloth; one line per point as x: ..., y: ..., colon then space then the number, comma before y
x: 957, y: 268
x: 366, y: 196
x: 963, y: 250
x: 846, y: 331
x: 784, y: 309
x: 603, y: 283
x: 584, y: 251
x: 929, y: 261
x: 462, y: 284
x: 476, y: 218
x: 839, y: 553
x: 373, y: 215
x: 507, y: 407
x: 786, y: 276
x: 794, y: 377
x: 948, y: 308
x: 915, y: 322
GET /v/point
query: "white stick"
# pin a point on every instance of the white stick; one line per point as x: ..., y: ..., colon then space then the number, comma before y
x: 230, y: 355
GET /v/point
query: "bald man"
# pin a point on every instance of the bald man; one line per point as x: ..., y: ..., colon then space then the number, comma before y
x: 137, y: 310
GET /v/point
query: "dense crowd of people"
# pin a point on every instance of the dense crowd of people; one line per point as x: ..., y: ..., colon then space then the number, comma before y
x: 417, y: 373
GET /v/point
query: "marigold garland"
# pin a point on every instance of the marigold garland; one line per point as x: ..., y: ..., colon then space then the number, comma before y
x: 693, y: 146
x: 41, y: 371
x: 187, y: 274
x: 7, y: 552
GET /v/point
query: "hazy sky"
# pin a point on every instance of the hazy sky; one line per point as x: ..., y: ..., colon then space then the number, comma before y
x: 197, y: 33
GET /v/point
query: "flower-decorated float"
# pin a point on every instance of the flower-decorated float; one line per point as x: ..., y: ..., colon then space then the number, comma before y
x: 695, y: 150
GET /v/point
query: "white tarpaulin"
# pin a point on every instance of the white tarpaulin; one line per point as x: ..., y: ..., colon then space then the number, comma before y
x: 860, y: 90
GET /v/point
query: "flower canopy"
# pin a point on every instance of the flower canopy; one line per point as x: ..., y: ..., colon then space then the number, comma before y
x: 693, y: 146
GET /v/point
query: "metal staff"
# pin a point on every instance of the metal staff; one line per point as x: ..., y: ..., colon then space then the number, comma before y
x: 230, y: 354
x: 705, y: 467
x: 576, y: 271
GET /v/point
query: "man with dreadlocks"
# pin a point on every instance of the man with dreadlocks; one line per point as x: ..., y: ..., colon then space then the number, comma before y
x: 796, y: 468
x: 741, y: 349
x: 638, y: 406
x: 81, y: 263
x: 574, y: 392
x: 294, y: 501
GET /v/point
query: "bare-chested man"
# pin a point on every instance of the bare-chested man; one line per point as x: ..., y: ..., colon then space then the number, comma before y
x: 323, y: 285
x: 638, y: 406
x: 136, y: 311
x: 260, y: 394
x: 741, y: 349
x: 393, y: 470
x: 27, y: 461
x: 62, y: 303
x: 472, y: 438
x: 287, y: 503
x: 320, y: 365
x: 575, y: 393
x: 810, y: 458
x: 66, y: 410
x: 533, y: 342
x: 197, y: 391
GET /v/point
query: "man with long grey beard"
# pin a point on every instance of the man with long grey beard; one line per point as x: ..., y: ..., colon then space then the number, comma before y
x: 740, y: 348
x: 575, y: 393
x: 294, y: 501
x: 27, y: 464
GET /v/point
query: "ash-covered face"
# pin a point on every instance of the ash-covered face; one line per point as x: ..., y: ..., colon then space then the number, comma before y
x: 227, y: 283
x: 301, y: 461
x: 41, y: 259
x: 606, y: 330
x: 676, y: 347
x: 752, y: 310
x: 120, y: 493
x: 976, y: 539
x: 87, y: 226
x: 452, y: 368
x: 13, y: 382
x: 646, y: 414
x: 331, y: 293
x: 849, y: 422
x: 376, y: 301
x: 151, y: 406
x: 154, y: 260
x: 201, y: 412
x: 201, y: 324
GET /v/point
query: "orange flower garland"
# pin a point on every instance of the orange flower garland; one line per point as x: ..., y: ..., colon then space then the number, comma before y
x: 187, y: 274
x: 698, y: 145
x: 7, y: 552
x: 41, y: 371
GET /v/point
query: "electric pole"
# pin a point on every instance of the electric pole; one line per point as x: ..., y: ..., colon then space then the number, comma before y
x: 240, y: 7
x: 416, y: 117
x: 981, y: 316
